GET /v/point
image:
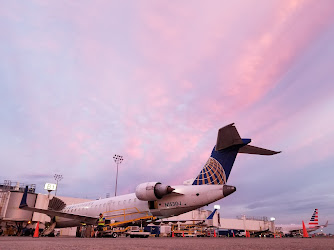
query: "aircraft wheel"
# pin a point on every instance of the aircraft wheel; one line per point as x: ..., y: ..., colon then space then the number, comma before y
x: 114, y: 235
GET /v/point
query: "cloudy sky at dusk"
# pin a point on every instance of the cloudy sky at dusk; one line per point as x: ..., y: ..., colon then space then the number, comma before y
x: 153, y: 81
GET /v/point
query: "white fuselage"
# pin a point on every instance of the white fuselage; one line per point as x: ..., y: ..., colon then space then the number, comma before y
x: 288, y: 229
x: 128, y: 207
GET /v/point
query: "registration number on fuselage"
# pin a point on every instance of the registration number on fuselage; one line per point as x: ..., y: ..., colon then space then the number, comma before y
x: 173, y: 204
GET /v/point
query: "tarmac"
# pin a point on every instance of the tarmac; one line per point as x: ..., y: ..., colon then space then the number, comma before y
x: 21, y: 243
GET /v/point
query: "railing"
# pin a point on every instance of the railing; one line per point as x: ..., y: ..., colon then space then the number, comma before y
x: 17, y: 186
x: 126, y: 215
x: 264, y: 218
x: 196, y: 230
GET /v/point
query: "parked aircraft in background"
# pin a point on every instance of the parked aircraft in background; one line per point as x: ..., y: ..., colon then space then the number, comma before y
x: 293, y: 228
x: 153, y: 200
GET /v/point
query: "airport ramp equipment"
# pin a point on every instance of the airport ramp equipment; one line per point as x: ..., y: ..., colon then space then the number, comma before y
x: 126, y: 216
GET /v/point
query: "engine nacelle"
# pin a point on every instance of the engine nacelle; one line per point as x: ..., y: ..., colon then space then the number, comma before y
x: 151, y: 191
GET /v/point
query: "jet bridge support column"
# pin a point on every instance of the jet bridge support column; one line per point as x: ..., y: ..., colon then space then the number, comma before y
x: 4, y: 198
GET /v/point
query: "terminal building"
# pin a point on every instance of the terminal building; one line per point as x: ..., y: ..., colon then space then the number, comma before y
x: 13, y: 217
x: 240, y: 223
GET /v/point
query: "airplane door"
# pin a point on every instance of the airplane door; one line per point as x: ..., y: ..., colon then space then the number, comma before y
x: 153, y: 204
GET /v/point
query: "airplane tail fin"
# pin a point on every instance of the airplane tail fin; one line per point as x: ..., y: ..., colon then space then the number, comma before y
x: 210, y: 217
x: 23, y: 202
x: 229, y: 143
x: 314, y: 221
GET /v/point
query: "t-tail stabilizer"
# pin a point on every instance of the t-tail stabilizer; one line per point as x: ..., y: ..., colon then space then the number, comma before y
x: 229, y: 143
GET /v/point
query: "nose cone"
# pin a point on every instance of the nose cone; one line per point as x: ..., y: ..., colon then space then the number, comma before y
x: 227, y: 190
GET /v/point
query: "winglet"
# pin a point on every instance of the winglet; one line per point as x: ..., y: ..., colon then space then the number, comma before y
x: 24, y: 198
x: 211, y: 215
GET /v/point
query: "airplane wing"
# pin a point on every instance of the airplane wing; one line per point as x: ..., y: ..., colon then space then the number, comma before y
x: 52, y: 213
x: 322, y: 226
x: 311, y: 229
x: 260, y: 232
x: 317, y: 227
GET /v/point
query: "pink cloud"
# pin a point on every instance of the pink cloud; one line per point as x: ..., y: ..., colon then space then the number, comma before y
x: 134, y: 148
x: 155, y: 83
x: 278, y: 43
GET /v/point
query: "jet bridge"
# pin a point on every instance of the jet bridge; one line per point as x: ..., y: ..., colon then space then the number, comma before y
x: 10, y: 197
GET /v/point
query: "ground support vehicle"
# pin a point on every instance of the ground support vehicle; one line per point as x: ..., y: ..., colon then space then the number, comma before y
x: 184, y: 230
x: 137, y: 232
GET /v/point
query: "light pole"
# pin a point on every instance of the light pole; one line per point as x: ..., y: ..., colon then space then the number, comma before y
x: 118, y: 159
x: 58, y: 177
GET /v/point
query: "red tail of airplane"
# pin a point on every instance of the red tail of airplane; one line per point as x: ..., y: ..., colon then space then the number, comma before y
x: 314, y: 222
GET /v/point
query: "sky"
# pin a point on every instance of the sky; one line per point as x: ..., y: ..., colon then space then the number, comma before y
x: 153, y: 81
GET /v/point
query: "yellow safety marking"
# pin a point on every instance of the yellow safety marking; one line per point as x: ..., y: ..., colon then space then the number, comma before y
x: 124, y: 214
x: 129, y: 221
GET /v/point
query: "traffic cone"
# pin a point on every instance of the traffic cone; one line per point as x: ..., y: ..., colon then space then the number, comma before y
x: 36, y: 233
x: 305, y: 234
x: 214, y: 233
x: 233, y: 234
x: 183, y: 234
x: 173, y: 234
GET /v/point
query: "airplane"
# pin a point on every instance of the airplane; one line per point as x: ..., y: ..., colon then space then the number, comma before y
x: 154, y: 200
x: 293, y: 229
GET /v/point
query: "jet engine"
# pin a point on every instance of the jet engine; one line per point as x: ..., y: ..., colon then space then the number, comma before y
x: 151, y: 191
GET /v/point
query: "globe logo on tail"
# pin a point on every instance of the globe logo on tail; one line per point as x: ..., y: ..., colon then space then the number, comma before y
x: 212, y: 174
